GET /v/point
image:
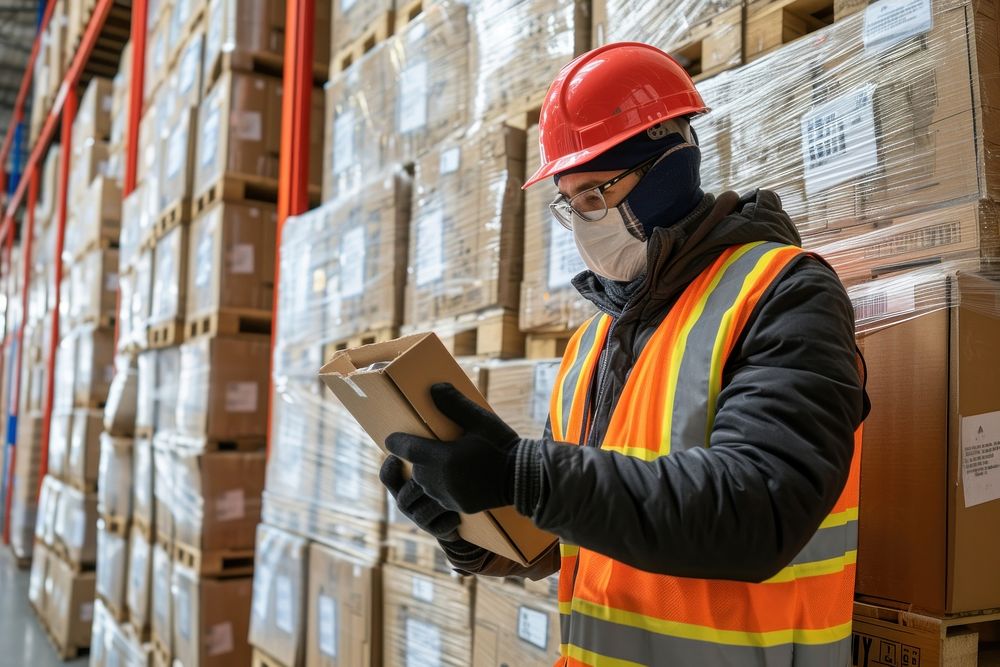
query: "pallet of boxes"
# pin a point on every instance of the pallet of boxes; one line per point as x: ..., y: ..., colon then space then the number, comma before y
x: 897, y: 190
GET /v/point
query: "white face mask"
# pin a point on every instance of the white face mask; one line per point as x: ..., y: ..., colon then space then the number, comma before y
x: 607, y: 247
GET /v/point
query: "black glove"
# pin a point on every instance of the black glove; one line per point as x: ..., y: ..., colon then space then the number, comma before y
x: 416, y: 505
x: 471, y: 474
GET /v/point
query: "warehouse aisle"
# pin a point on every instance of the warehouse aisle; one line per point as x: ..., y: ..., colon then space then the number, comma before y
x: 22, y: 640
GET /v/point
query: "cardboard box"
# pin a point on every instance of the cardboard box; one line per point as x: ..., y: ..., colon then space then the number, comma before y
x: 926, y: 532
x: 36, y: 579
x: 59, y: 435
x: 143, y: 500
x: 114, y: 477
x: 85, y: 448
x: 344, y: 611
x: 666, y: 26
x: 70, y: 603
x: 223, y: 386
x: 186, y: 77
x: 48, y: 508
x: 142, y: 299
x: 90, y: 161
x: 277, y: 615
x: 519, y: 391
x: 94, y: 286
x: 178, y: 166
x: 95, y: 366
x: 164, y: 471
x: 112, y: 566
x: 119, y: 412
x: 514, y: 627
x: 232, y: 261
x: 394, y: 396
x: 427, y: 618
x: 95, y: 214
x: 216, y: 503
x: 76, y: 525
x: 350, y: 19
x: 137, y: 593
x: 161, y: 598
x: 466, y: 233
x: 211, y: 619
x: 239, y: 132
x: 146, y: 391
x: 93, y: 114
x: 169, y: 277
x: 168, y: 365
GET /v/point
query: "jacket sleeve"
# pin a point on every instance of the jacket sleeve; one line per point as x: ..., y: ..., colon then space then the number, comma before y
x: 470, y: 559
x: 778, y: 459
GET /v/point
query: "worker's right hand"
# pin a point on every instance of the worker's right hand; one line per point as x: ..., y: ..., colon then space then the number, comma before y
x: 416, y: 505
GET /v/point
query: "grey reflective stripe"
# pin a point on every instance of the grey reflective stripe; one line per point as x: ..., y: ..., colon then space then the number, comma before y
x: 829, y: 543
x: 573, y: 374
x: 624, y: 642
x: 689, y: 423
x: 563, y: 628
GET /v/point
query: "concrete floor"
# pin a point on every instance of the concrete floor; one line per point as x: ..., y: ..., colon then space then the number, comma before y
x: 22, y: 641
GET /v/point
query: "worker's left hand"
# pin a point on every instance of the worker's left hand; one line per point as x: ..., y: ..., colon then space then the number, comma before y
x: 474, y: 472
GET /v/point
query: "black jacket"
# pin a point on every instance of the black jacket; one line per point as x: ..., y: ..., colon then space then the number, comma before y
x: 783, y: 437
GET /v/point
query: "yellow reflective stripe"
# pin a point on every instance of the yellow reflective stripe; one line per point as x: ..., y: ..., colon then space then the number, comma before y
x: 708, y: 634
x: 722, y: 333
x: 566, y: 607
x: 840, y: 518
x: 567, y: 550
x: 557, y: 423
x: 677, y: 353
x: 815, y: 569
x: 594, y: 659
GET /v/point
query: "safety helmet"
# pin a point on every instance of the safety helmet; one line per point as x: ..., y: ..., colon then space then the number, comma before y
x: 606, y: 96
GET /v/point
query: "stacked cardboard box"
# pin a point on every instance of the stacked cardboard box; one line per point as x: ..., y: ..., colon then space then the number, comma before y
x: 514, y: 626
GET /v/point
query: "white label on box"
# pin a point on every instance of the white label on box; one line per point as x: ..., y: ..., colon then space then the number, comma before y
x: 838, y: 140
x: 874, y: 305
x: 981, y: 458
x: 284, y: 618
x: 450, y: 160
x: 247, y: 125
x: 430, y: 248
x: 184, y: 613
x: 533, y: 626
x: 219, y: 639
x: 423, y: 589
x: 230, y: 506
x: 209, y: 145
x: 241, y: 258
x: 87, y: 612
x: 343, y: 142
x: 564, y: 259
x: 241, y: 397
x: 345, y: 5
x: 413, y: 98
x: 423, y: 644
x: 261, y: 591
x: 541, y: 389
x: 889, y: 22
x: 352, y: 262
x: 327, y: 626
x: 111, y: 282
x: 319, y: 281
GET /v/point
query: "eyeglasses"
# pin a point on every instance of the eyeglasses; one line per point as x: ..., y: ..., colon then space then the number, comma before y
x: 590, y: 204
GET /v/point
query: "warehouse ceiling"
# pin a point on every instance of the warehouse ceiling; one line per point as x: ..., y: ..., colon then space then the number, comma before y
x: 18, y: 19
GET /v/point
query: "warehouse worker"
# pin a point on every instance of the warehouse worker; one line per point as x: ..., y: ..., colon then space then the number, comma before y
x: 700, y: 467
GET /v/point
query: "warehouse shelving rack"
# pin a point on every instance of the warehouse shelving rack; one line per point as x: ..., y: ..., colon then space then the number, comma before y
x: 292, y: 193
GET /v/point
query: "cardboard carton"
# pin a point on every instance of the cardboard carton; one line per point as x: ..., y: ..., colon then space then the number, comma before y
x: 143, y: 500
x: 211, y: 618
x: 114, y: 477
x: 164, y: 472
x: 386, y: 387
x: 36, y: 579
x: 93, y: 114
x: 519, y: 391
x: 178, y: 165
x: 137, y: 593
x: 94, y: 286
x: 514, y: 627
x: 85, y: 447
x: 277, y: 615
x: 112, y: 565
x: 169, y: 277
x: 59, y: 435
x: 76, y: 525
x: 351, y: 19
x: 167, y: 388
x: 146, y: 391
x: 70, y: 603
x: 344, y: 610
x: 161, y: 599
x: 95, y: 365
x: 119, y: 412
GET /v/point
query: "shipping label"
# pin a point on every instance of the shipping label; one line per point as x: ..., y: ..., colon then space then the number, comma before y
x: 230, y: 505
x: 352, y: 262
x: 429, y: 258
x: 284, y: 615
x: 344, y: 152
x: 241, y: 258
x: 241, y: 397
x: 423, y: 589
x: 533, y: 627
x: 889, y: 22
x: 423, y: 643
x: 838, y: 140
x: 413, y: 98
x: 327, y: 622
x: 981, y: 458
x: 219, y: 639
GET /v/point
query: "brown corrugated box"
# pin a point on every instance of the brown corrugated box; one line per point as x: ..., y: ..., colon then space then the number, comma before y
x: 519, y: 391
x: 514, y: 627
x: 186, y: 76
x: 427, y: 618
x: 112, y: 563
x: 169, y: 277
x: 70, y: 603
x: 177, y: 168
x: 84, y: 447
x: 119, y: 412
x: 231, y: 261
x: 351, y: 18
x: 931, y: 378
x: 114, y: 478
x: 76, y: 525
x: 216, y: 500
x: 95, y: 365
x: 93, y: 115
x: 344, y: 603
x: 277, y: 614
x: 95, y: 215
x: 137, y: 591
x: 211, y: 618
x: 223, y: 388
x: 394, y: 396
x: 90, y: 160
x: 94, y: 286
x: 163, y: 486
x: 60, y: 428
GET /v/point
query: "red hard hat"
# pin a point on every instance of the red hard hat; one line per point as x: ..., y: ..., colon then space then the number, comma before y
x: 606, y: 96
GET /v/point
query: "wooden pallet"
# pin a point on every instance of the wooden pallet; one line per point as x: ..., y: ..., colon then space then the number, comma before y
x: 885, y: 635
x: 165, y: 541
x: 225, y: 562
x: 161, y: 653
x: 236, y: 188
x: 139, y: 525
x: 376, y: 32
x: 408, y: 12
x: 101, y: 322
x: 493, y: 333
x: 166, y: 334
x: 116, y: 525
x: 713, y: 46
x: 144, y: 432
x: 772, y: 23
x: 257, y: 62
x: 368, y: 338
x: 173, y: 215
x: 81, y: 485
x: 139, y: 634
x: 262, y: 659
x: 546, y: 345
x: 230, y: 321
x: 116, y: 612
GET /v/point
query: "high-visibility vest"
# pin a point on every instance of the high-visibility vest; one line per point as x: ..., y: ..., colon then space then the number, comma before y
x: 616, y: 615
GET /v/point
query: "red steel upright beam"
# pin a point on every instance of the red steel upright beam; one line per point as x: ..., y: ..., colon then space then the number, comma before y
x: 65, y: 157
x: 137, y: 75
x: 296, y: 103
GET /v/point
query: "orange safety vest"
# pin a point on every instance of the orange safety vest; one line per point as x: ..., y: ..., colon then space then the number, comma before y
x: 615, y: 615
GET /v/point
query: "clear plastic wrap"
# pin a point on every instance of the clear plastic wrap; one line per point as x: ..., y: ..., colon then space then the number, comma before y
x: 146, y: 388
x: 137, y: 592
x: 142, y: 300
x: 94, y: 216
x: 65, y: 370
x: 211, y: 619
x: 95, y: 365
x: 863, y: 123
x: 93, y: 113
x: 216, y: 498
x: 177, y: 169
x: 427, y: 618
x: 164, y: 485
x: 114, y: 644
x: 466, y: 232
x: 76, y: 525
x: 351, y: 18
x: 409, y: 546
x: 517, y: 48
x: 69, y: 603
x: 48, y: 506
x: 90, y: 162
x: 36, y: 578
x: 514, y: 627
x: 94, y: 286
x: 161, y: 600
x: 549, y: 302
x: 186, y: 74
x: 119, y: 412
x: 60, y: 427
x: 112, y: 563
x: 344, y: 265
x: 130, y: 233
x: 23, y: 508
x: 169, y: 272
x: 167, y: 388
x: 142, y: 481
x: 277, y: 614
x: 84, y: 448
x: 114, y: 478
x: 232, y: 260
x: 223, y: 388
